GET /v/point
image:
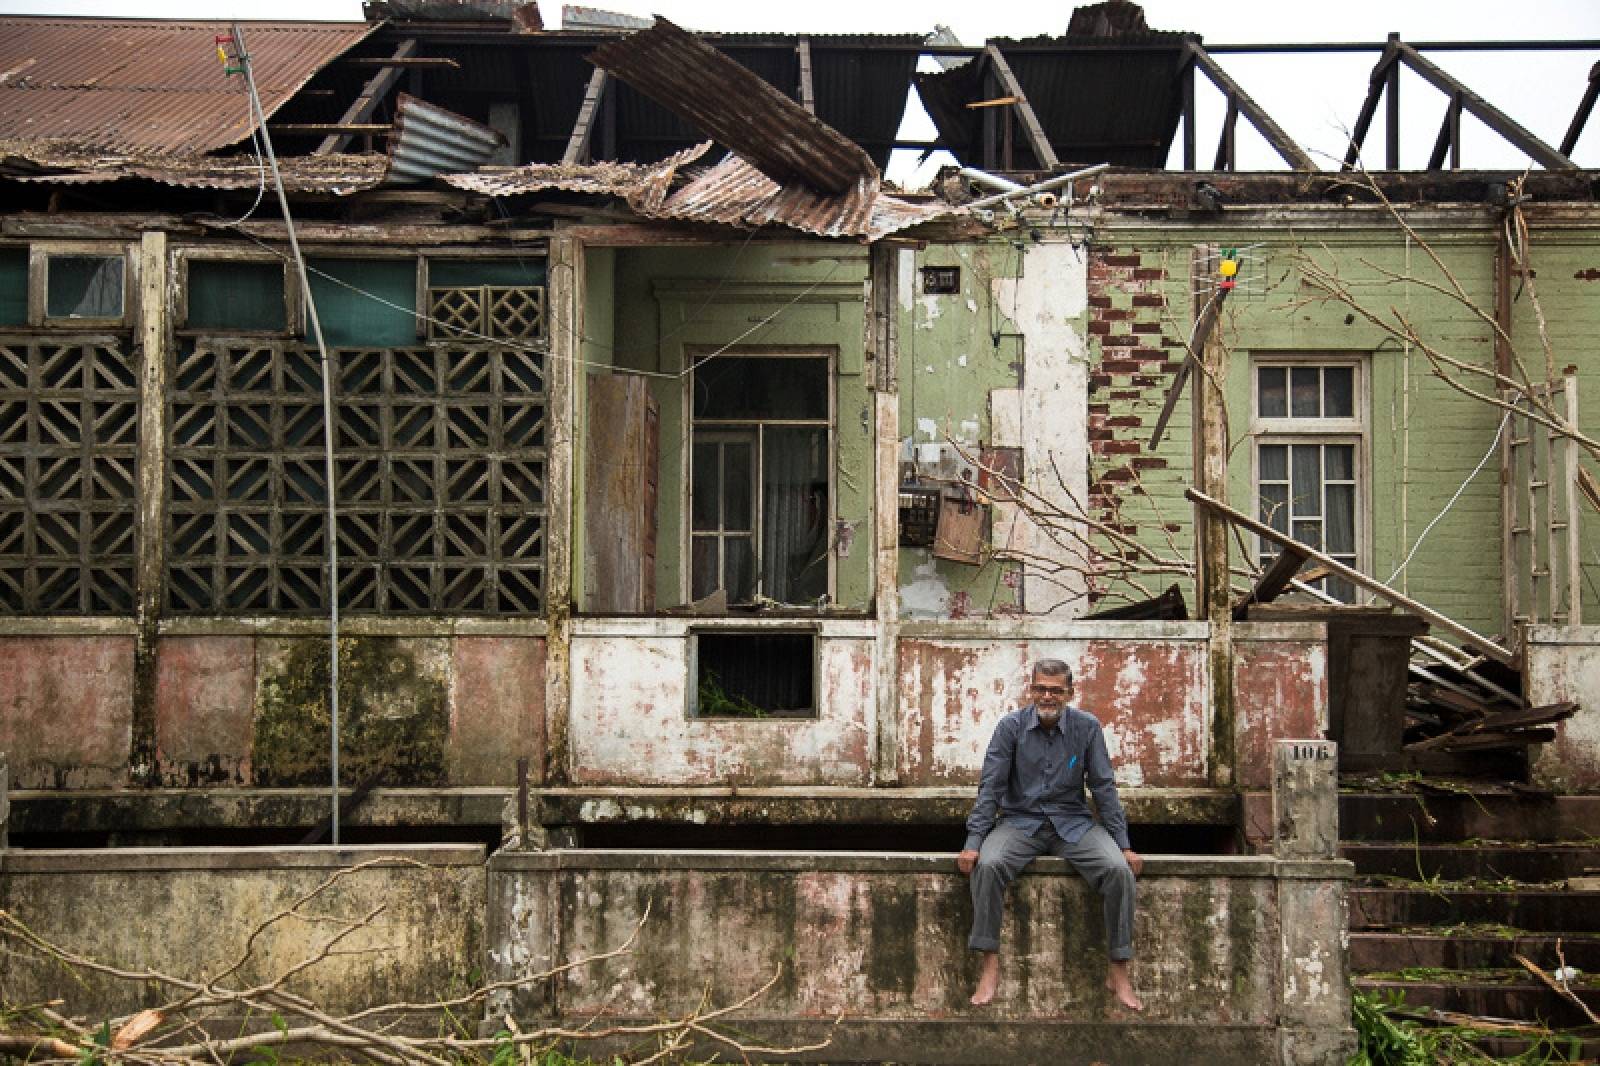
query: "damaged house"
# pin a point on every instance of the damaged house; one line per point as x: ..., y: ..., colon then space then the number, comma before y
x: 693, y: 488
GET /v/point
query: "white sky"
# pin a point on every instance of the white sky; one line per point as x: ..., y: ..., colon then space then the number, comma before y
x: 1315, y: 98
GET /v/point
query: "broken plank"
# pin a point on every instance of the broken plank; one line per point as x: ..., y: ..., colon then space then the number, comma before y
x: 1272, y: 583
x: 1474, y: 640
x: 583, y: 129
x: 1197, y: 342
x: 1517, y: 738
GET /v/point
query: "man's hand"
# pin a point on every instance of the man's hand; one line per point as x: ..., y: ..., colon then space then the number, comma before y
x: 966, y: 861
x: 1135, y: 861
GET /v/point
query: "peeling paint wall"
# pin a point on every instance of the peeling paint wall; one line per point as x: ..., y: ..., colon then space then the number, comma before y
x: 1280, y: 692
x: 1564, y: 664
x: 66, y: 710
x: 997, y: 371
x: 630, y: 721
x: 1144, y: 681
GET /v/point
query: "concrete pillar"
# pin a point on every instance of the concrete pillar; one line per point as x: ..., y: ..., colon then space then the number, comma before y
x: 1305, y: 799
x: 1313, y: 905
x: 5, y: 805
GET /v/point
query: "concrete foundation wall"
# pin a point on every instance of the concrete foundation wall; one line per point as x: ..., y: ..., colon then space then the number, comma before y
x: 1563, y: 663
x: 189, y: 912
x: 879, y: 942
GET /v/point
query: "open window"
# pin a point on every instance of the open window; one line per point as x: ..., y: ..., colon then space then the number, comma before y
x: 760, y: 491
x: 754, y: 673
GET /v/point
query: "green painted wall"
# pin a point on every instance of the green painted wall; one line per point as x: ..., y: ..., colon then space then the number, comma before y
x: 954, y: 349
x: 1424, y: 438
x: 597, y: 338
x: 673, y: 301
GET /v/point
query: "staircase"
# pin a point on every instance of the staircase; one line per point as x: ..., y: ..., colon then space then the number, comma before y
x: 1451, y: 886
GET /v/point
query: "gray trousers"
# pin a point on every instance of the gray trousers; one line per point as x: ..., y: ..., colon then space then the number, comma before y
x: 1007, y: 850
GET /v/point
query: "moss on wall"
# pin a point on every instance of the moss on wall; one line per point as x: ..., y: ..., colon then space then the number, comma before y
x: 394, y: 710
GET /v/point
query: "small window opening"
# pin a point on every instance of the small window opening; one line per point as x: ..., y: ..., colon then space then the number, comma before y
x: 941, y: 281
x: 236, y: 296
x: 755, y: 675
x: 84, y: 286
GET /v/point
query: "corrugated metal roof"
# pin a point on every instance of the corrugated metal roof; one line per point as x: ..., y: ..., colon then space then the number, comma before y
x: 428, y: 141
x: 47, y: 163
x: 740, y: 109
x: 1096, y: 105
x: 121, y: 84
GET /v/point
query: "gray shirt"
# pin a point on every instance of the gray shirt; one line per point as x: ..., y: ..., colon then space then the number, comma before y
x: 1031, y: 774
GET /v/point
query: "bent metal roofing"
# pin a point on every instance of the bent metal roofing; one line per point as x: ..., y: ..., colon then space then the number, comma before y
x: 150, y: 85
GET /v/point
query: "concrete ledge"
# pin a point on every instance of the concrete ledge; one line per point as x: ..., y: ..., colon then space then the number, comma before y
x: 165, y: 860
x: 877, y: 862
x: 353, y: 626
x: 74, y: 626
x: 1040, y: 628
x: 129, y: 810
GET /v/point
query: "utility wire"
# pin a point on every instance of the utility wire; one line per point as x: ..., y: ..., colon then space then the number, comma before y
x: 260, y: 119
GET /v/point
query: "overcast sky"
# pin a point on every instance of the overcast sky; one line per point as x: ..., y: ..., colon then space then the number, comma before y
x: 1315, y: 98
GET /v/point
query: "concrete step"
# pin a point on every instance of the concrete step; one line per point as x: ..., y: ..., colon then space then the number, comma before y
x: 1564, y: 1046
x: 1471, y: 950
x: 1534, y: 909
x: 1493, y: 993
x: 1485, y: 861
x: 1491, y: 813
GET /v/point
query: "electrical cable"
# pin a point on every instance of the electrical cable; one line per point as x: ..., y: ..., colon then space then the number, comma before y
x: 1436, y: 519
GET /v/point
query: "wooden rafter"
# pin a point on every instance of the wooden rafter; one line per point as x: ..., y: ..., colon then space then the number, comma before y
x: 378, y: 87
x: 1581, y: 116
x: 1280, y: 141
x: 583, y: 130
x: 1449, y: 139
x: 1042, y: 152
x: 1484, y: 111
x: 1369, y: 106
x: 808, y: 94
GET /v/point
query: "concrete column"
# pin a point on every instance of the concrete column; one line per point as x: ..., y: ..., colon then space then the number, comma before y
x: 1305, y: 799
x: 1313, y: 906
x: 565, y: 299
x: 152, y: 340
x: 882, y: 343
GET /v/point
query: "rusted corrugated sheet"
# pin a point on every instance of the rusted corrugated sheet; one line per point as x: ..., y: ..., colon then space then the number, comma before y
x: 741, y: 110
x: 735, y: 193
x: 126, y: 85
x: 56, y: 164
x: 642, y: 186
x: 428, y: 141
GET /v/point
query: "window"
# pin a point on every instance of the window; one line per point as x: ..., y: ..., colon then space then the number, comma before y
x: 84, y: 287
x: 232, y: 296
x: 941, y: 280
x: 754, y: 674
x: 760, y: 497
x: 1310, y: 442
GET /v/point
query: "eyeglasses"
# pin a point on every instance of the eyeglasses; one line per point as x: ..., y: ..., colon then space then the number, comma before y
x: 1050, y: 690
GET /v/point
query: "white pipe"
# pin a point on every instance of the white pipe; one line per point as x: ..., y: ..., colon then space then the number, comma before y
x: 992, y: 181
x: 1043, y: 186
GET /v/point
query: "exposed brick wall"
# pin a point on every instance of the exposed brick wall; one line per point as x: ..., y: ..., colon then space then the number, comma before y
x: 1133, y: 355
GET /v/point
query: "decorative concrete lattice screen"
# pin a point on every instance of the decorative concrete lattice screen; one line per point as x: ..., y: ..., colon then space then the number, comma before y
x: 69, y: 439
x: 504, y: 312
x: 440, y: 463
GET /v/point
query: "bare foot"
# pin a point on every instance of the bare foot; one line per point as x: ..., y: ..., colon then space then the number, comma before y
x: 988, y: 980
x: 1120, y: 985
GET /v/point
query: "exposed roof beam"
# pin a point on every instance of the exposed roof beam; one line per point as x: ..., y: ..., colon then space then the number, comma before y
x: 1042, y: 151
x: 1581, y: 116
x: 1292, y: 153
x: 411, y: 62
x: 376, y: 89
x: 583, y: 129
x: 808, y: 96
x: 1369, y: 107
x: 1225, y: 143
x: 1484, y: 111
x: 1449, y: 137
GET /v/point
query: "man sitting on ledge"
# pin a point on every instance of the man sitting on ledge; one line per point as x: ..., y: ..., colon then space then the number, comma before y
x: 1033, y: 776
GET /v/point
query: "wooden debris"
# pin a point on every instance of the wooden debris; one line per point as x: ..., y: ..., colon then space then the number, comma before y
x: 1168, y: 606
x: 1557, y: 987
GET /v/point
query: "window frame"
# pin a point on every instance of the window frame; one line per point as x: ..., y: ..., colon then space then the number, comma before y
x: 694, y: 356
x: 692, y: 689
x: 1292, y: 429
x: 39, y: 256
x: 293, y: 303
